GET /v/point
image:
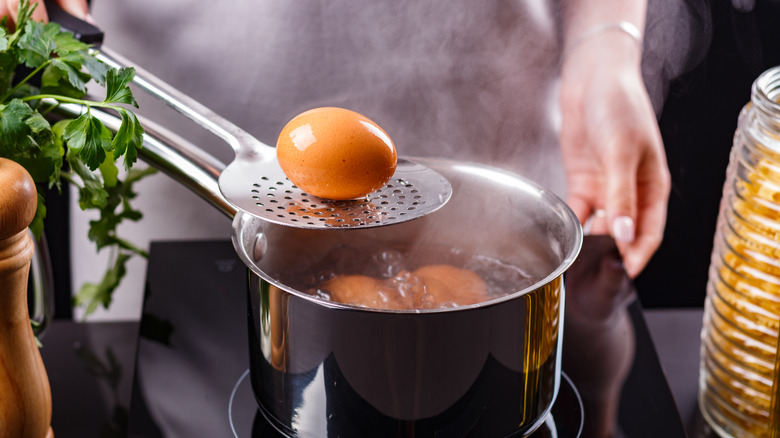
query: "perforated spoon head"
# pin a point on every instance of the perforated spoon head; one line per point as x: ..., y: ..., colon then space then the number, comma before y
x: 260, y: 187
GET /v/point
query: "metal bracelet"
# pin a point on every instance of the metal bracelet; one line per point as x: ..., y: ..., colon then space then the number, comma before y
x: 622, y: 26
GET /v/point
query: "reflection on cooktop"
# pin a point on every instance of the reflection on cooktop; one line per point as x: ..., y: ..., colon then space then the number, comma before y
x: 194, y: 338
x: 565, y: 419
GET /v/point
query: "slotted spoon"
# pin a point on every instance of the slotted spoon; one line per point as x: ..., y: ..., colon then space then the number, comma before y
x: 256, y: 184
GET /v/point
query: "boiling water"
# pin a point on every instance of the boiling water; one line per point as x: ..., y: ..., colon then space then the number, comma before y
x: 397, y: 267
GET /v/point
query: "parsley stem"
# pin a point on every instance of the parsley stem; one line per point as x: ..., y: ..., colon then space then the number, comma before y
x: 65, y: 99
x: 25, y: 80
x: 68, y: 176
x: 130, y: 247
x: 50, y: 109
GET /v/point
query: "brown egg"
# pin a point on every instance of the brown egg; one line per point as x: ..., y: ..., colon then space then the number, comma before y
x: 335, y: 153
x: 400, y: 292
x: 449, y: 286
x: 432, y: 286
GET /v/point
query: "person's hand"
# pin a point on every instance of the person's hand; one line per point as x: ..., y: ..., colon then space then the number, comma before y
x: 612, y: 149
x: 77, y: 8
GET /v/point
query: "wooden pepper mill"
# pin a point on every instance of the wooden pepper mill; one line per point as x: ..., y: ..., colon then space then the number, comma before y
x: 25, y: 396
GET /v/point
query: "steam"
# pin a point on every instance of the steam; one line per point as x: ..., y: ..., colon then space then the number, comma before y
x: 677, y: 37
x: 460, y: 79
x: 445, y: 79
x: 448, y: 78
x: 453, y: 79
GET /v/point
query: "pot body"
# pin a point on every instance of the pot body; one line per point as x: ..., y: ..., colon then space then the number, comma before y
x: 320, y: 368
x: 487, y: 371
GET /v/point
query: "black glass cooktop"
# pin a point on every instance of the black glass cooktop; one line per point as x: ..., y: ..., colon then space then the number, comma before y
x: 192, y: 357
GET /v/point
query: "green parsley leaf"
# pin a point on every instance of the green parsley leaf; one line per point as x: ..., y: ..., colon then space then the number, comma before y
x: 44, y: 160
x: 8, y: 63
x: 134, y: 175
x: 54, y: 81
x: 92, y: 194
x: 90, y: 138
x: 103, y: 230
x: 129, y: 138
x: 14, y: 132
x: 66, y: 69
x: 117, y: 90
x: 36, y: 226
x: 94, y: 294
x: 37, y: 43
x: 109, y: 172
x: 65, y: 43
x: 37, y: 123
x: 3, y: 40
x: 95, y: 68
x: 56, y: 152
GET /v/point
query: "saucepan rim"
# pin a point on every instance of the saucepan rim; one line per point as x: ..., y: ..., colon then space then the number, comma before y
x: 246, y: 223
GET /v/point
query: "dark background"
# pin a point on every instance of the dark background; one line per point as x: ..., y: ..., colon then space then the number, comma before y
x: 698, y: 125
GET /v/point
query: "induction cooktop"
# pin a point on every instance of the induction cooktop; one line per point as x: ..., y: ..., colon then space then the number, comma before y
x: 192, y: 357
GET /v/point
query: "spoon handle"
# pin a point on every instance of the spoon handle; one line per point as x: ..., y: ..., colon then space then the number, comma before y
x: 242, y: 142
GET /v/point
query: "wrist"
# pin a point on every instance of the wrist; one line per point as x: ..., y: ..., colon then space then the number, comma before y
x: 606, y: 33
x: 609, y: 52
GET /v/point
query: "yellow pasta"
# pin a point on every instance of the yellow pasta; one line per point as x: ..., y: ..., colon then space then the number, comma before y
x: 740, y: 336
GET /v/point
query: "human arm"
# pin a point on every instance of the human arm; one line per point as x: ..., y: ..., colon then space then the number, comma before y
x: 612, y: 149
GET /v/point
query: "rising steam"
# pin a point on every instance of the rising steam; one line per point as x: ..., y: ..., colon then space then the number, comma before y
x: 677, y: 37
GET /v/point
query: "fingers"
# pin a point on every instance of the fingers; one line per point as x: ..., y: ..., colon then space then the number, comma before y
x: 621, y: 196
x: 637, y: 197
x: 10, y: 8
x: 651, y: 219
x: 77, y: 8
x: 617, y: 165
x: 39, y: 13
x: 635, y: 202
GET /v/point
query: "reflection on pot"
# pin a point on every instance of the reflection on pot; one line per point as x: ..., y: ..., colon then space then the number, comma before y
x: 599, y: 335
x: 491, y: 371
x: 320, y: 367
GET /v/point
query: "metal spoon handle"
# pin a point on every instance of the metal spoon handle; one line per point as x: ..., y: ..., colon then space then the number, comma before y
x: 171, y: 154
x: 244, y: 144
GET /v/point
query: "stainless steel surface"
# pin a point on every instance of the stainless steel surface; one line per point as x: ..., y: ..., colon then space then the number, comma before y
x: 493, y: 367
x: 171, y: 154
x: 529, y: 228
x: 242, y: 410
x: 255, y: 183
x: 407, y: 196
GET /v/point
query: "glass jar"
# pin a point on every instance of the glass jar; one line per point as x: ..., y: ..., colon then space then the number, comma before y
x: 738, y: 372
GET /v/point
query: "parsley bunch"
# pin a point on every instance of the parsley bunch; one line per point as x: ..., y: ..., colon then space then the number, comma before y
x: 81, y: 151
